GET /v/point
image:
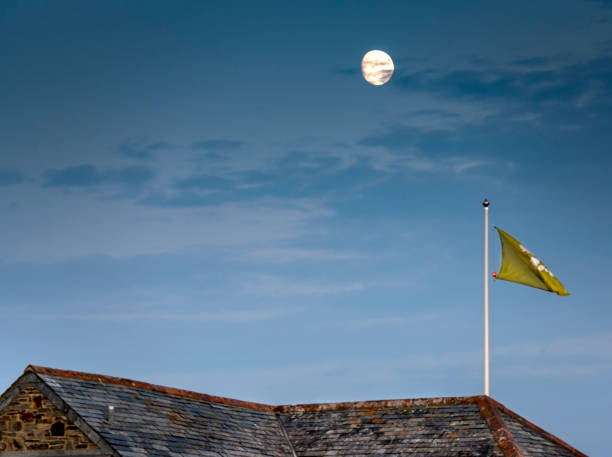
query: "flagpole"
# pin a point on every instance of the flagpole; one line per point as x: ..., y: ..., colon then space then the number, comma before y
x: 485, y: 204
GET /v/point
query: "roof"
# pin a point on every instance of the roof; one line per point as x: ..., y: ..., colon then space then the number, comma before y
x: 151, y: 420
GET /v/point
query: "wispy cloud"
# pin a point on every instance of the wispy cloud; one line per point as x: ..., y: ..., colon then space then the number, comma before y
x: 390, y: 321
x: 152, y: 230
x: 10, y: 177
x: 599, y: 345
x: 78, y: 176
x: 193, y: 191
x: 217, y: 144
x: 538, y: 61
x: 277, y: 286
x: 529, y: 81
x: 87, y: 176
x: 326, y: 380
x: 202, y: 181
x: 348, y: 71
x: 331, y: 379
x: 180, y: 199
x: 225, y: 317
x: 139, y: 150
x: 602, y: 3
x: 556, y: 370
x: 281, y: 286
x: 448, y: 115
x: 586, y: 355
x: 388, y: 156
x: 285, y: 255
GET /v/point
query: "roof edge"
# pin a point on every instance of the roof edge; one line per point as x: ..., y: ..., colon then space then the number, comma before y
x: 105, y: 379
x: 7, y: 396
x: 537, y: 429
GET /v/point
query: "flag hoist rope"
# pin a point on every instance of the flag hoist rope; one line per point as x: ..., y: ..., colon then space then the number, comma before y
x: 485, y: 204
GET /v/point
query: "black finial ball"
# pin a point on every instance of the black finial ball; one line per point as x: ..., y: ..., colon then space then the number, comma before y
x: 485, y: 203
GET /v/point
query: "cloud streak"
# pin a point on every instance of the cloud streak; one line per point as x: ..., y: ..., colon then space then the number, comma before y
x: 389, y: 321
x: 142, y: 151
x: 398, y: 150
x: 531, y: 81
x: 599, y: 345
x: 88, y: 176
x: 148, y: 230
x: 415, y: 372
x: 328, y: 380
x: 220, y: 317
x: 287, y: 255
x: 10, y: 177
x: 280, y: 286
x: 277, y: 286
x: 217, y: 145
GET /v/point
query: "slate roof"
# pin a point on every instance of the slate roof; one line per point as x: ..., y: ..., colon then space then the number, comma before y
x: 159, y: 421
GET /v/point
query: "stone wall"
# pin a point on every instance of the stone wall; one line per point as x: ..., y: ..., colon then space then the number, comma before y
x: 31, y: 422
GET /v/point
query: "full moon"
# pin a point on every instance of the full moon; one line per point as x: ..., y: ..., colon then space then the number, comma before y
x: 377, y: 67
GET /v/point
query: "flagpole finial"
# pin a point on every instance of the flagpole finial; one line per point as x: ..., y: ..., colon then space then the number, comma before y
x: 485, y: 203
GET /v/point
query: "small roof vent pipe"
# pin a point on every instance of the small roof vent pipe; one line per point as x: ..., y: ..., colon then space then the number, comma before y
x: 111, y: 413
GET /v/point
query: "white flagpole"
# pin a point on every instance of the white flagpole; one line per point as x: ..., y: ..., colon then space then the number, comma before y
x: 485, y: 204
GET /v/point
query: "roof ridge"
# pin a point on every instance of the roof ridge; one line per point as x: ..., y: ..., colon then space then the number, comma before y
x: 537, y: 429
x: 435, y: 401
x: 283, y: 430
x: 505, y: 440
x: 147, y: 386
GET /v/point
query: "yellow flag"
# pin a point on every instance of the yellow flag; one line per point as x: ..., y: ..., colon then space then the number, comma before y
x: 521, y: 266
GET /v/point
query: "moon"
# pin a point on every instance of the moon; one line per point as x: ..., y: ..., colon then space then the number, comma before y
x: 377, y: 67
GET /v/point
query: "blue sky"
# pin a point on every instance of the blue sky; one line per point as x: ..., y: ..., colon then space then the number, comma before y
x: 208, y: 195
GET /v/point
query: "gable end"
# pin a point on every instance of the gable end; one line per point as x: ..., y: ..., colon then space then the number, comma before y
x: 34, y: 421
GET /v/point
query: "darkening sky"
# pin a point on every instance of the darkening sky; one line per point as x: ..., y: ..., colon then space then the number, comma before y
x: 208, y: 195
